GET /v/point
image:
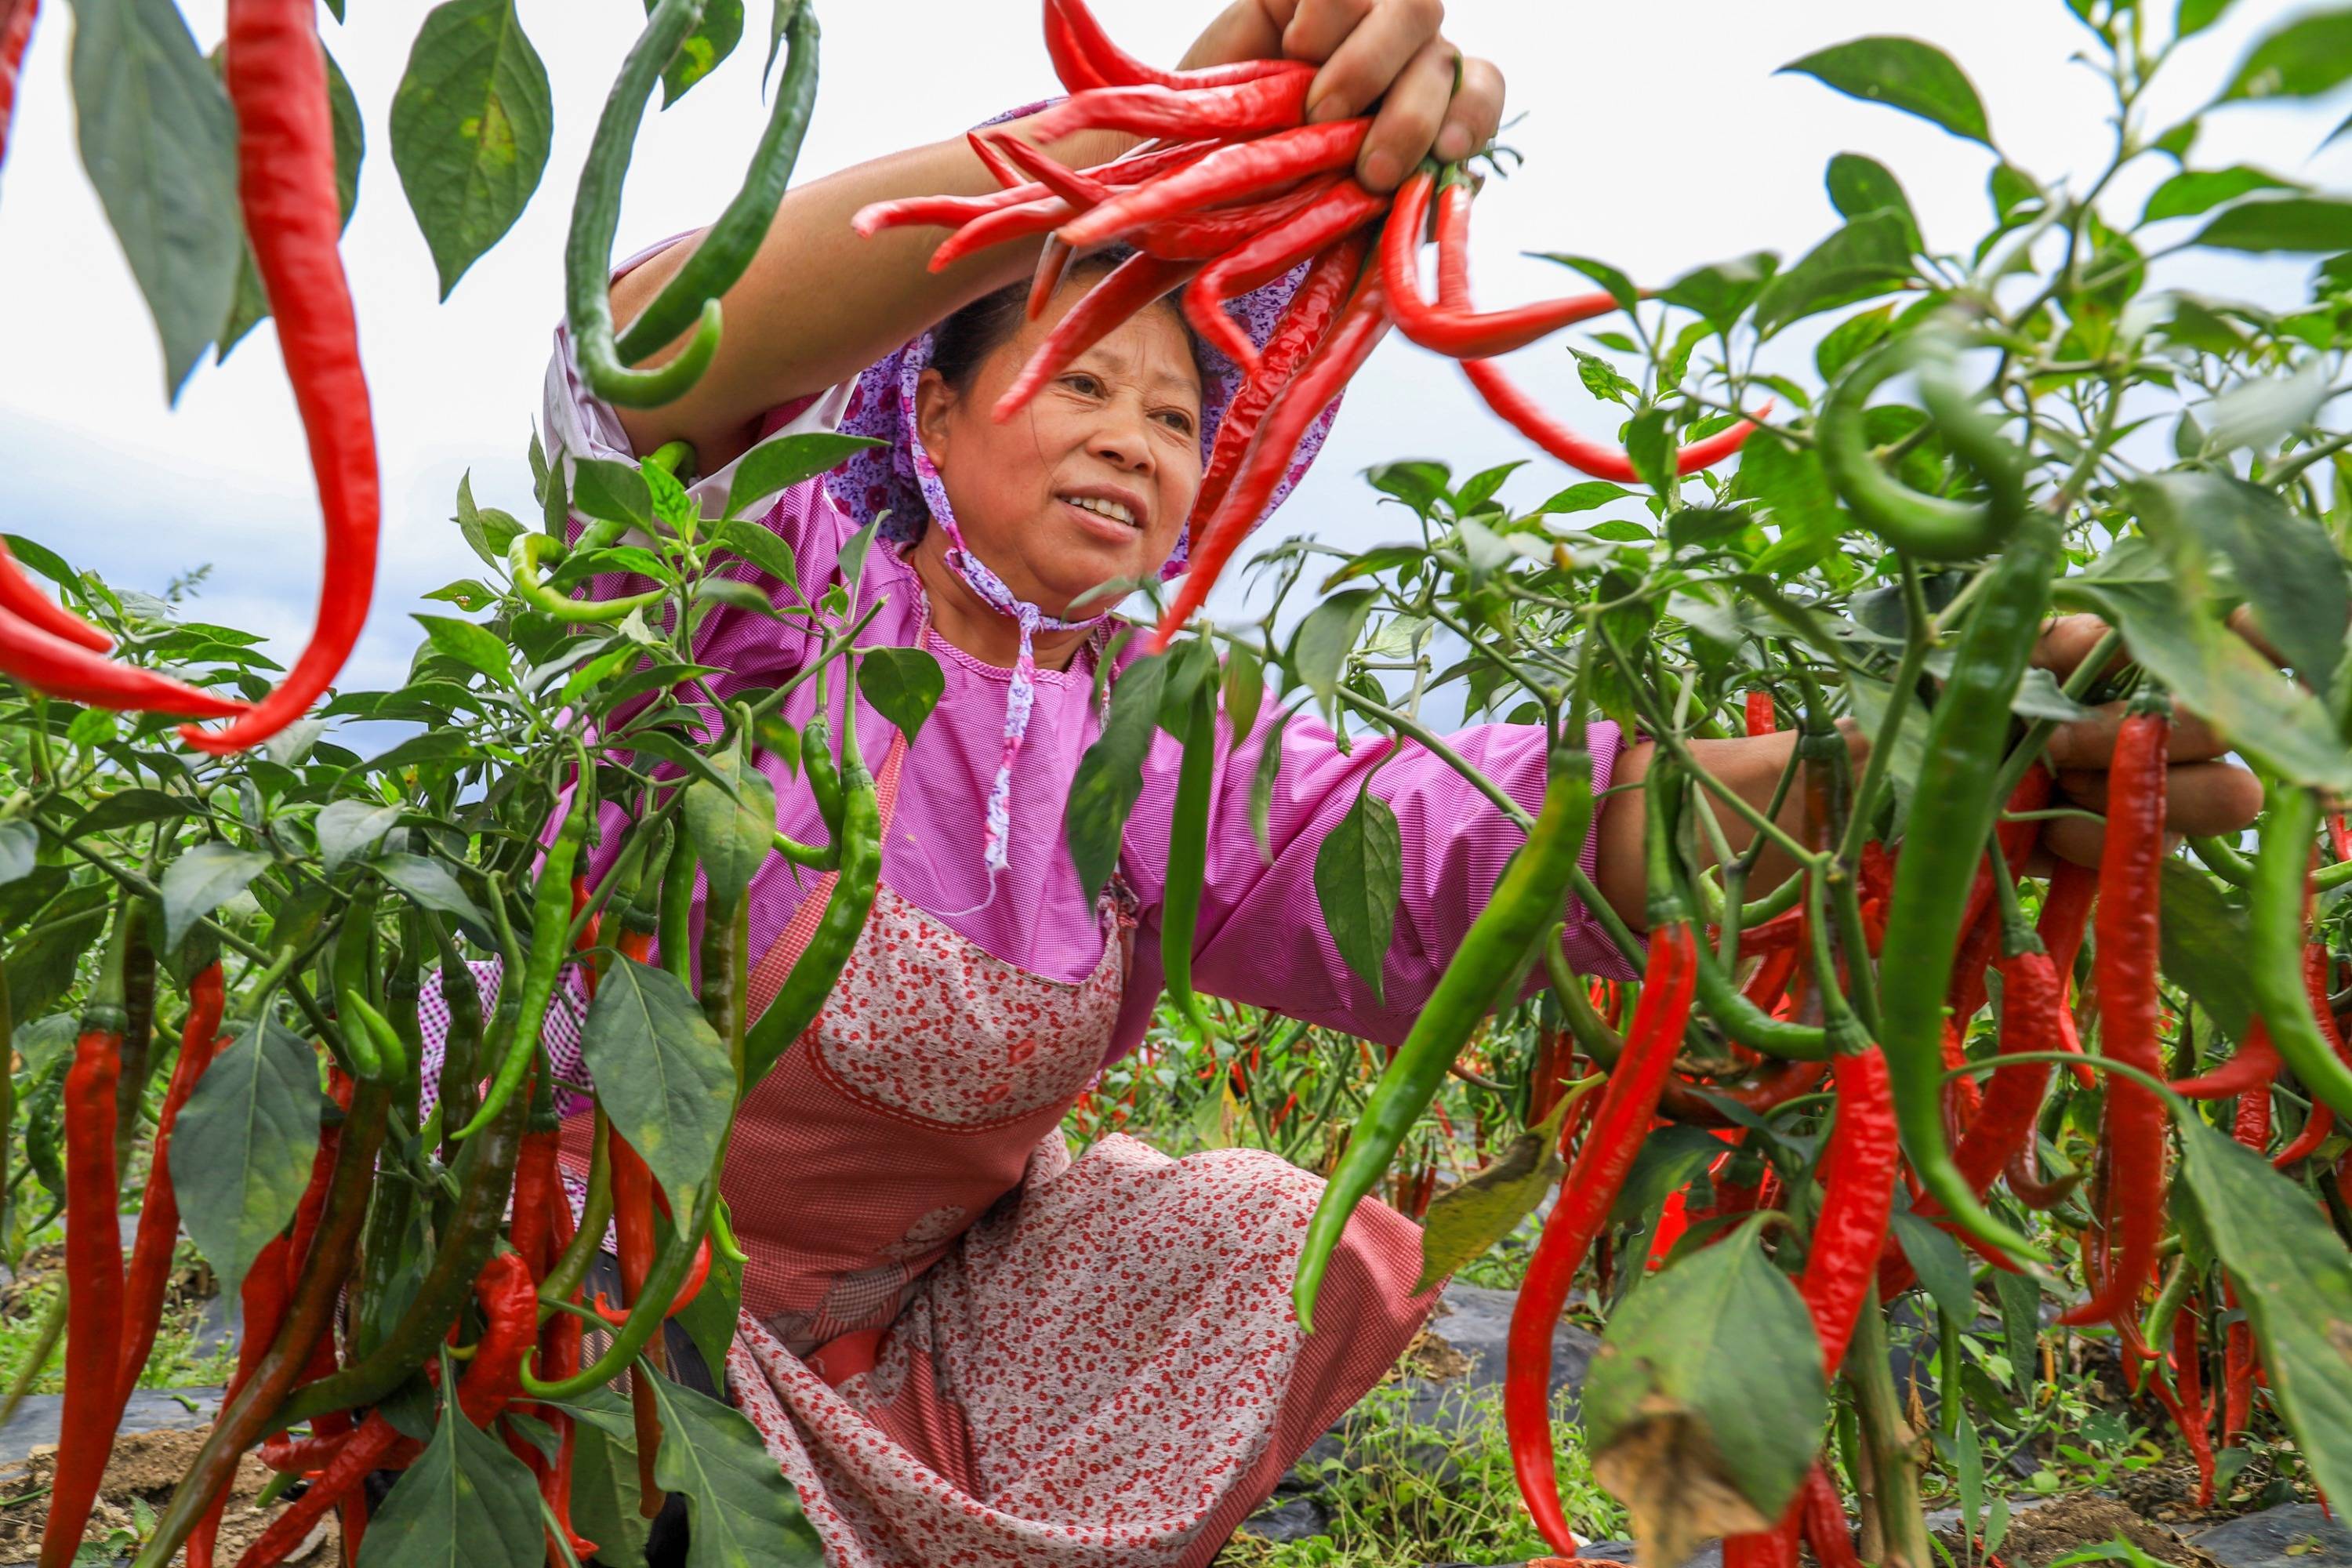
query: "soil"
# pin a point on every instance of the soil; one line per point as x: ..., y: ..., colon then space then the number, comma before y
x: 141, y: 1471
x: 2038, y: 1537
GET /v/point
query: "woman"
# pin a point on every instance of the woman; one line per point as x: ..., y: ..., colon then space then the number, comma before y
x: 960, y: 1346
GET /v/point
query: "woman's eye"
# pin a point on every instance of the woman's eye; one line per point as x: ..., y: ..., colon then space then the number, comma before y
x: 1082, y: 383
x: 1178, y: 420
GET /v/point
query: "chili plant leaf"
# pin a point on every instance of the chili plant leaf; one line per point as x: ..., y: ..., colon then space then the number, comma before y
x: 2203, y: 943
x: 1320, y: 648
x: 349, y: 828
x: 1859, y: 187
x: 1359, y: 875
x: 20, y: 841
x: 2310, y: 56
x: 2285, y: 564
x: 128, y: 808
x: 2191, y: 16
x: 1937, y: 1259
x: 202, y: 880
x: 903, y: 683
x: 766, y: 551
x: 1704, y: 1404
x: 41, y: 967
x: 471, y: 126
x: 734, y: 825
x: 2294, y: 1281
x: 1902, y: 73
x: 1110, y: 775
x: 1269, y: 767
x: 1869, y: 257
x: 1720, y: 291
x: 604, y: 1488
x: 2266, y: 224
x: 159, y: 140
x: 2194, y: 191
x: 467, y: 1502
x: 739, y: 1507
x: 783, y: 462
x: 251, y: 1126
x: 712, y: 41
x: 661, y: 1072
x: 1244, y: 691
x: 430, y: 885
x: 1466, y: 1219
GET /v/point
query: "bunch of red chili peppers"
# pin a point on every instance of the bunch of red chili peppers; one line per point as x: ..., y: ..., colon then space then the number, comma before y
x: 277, y: 80
x: 1234, y: 190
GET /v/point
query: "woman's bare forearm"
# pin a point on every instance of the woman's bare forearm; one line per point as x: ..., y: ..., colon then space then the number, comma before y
x: 818, y: 304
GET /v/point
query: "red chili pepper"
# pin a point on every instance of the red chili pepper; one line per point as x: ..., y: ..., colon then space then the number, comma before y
x: 1199, y: 237
x: 15, y: 32
x: 358, y: 1454
x: 1344, y: 208
x: 2253, y: 1069
x: 2192, y: 1414
x: 276, y: 73
x: 1127, y: 288
x: 632, y: 1225
x: 1451, y: 327
x: 1857, y: 1200
x: 938, y: 211
x: 2126, y: 964
x: 535, y: 1176
x: 2340, y: 836
x: 17, y: 595
x: 1587, y: 1193
x: 559, y: 1357
x: 159, y: 1208
x: 49, y: 663
x: 1025, y: 220
x: 696, y: 1272
x: 1083, y: 57
x: 1228, y: 173
x: 93, y: 1283
x: 261, y: 1306
x: 1762, y: 718
x: 2024, y: 1174
x: 1520, y: 411
x: 1358, y: 328
x: 2065, y: 915
x: 1825, y: 1528
x: 2322, y: 1119
x: 1274, y: 101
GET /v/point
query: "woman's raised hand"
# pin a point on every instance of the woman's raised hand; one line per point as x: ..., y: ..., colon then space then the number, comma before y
x: 1432, y: 99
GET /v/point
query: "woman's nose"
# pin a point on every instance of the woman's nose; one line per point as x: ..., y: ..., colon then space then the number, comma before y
x: 1124, y: 438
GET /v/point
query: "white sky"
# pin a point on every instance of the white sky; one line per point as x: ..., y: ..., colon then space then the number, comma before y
x: 1626, y: 107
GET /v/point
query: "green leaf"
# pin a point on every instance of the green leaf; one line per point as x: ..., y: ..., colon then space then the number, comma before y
x: 1869, y: 257
x: 1859, y: 187
x: 904, y: 684
x: 777, y: 464
x: 1790, y: 481
x: 1705, y: 1403
x: 2285, y: 561
x: 1620, y: 286
x: 740, y: 1510
x: 2266, y: 223
x: 734, y: 825
x: 1320, y: 648
x: 604, y: 1488
x: 20, y: 842
x: 1416, y: 481
x: 202, y: 880
x: 2194, y: 191
x: 2256, y: 414
x: 2310, y: 56
x: 430, y: 885
x: 1466, y: 1219
x: 1651, y: 448
x: 614, y: 492
x: 2020, y: 1323
x: 2293, y: 1280
x: 129, y: 808
x: 1244, y: 691
x: 1109, y: 776
x: 472, y: 123
x: 467, y: 1502
x: 1583, y: 497
x: 1262, y: 780
x: 710, y: 1318
x: 1720, y: 291
x: 2203, y: 943
x: 1902, y: 73
x: 2193, y: 16
x: 1358, y: 876
x: 347, y: 830
x: 41, y: 964
x: 1480, y: 487
x: 1937, y: 1259
x: 472, y: 645
x: 768, y: 553
x: 487, y: 531
x: 159, y: 140
x: 1846, y: 340
x: 661, y: 1071
x: 712, y: 41
x: 251, y: 1126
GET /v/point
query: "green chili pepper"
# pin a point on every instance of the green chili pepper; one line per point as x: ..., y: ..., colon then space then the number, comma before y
x: 550, y: 924
x: 384, y: 1056
x: 1952, y: 814
x: 570, y: 1266
x: 1188, y: 859
x: 652, y: 1306
x: 728, y: 247
x: 461, y: 1043
x: 675, y: 458
x: 855, y: 819
x: 725, y: 934
x: 138, y: 1026
x: 1930, y: 527
x: 596, y: 215
x: 2224, y: 860
x: 676, y: 915
x: 523, y: 557
x: 2275, y: 933
x: 1527, y: 903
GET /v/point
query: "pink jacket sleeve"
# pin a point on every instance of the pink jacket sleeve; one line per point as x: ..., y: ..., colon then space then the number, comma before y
x: 1262, y: 937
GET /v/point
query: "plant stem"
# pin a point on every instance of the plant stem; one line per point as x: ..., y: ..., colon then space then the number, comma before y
x: 1891, y: 1453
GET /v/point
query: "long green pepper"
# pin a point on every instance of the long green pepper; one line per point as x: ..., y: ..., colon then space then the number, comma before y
x: 2275, y: 928
x: 728, y: 245
x: 1527, y: 904
x: 550, y: 923
x: 1188, y: 857
x: 596, y: 215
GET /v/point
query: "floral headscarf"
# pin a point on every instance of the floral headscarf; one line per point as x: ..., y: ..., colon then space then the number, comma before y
x: 896, y: 483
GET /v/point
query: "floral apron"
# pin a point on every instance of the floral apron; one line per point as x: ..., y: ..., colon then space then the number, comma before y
x: 963, y: 1348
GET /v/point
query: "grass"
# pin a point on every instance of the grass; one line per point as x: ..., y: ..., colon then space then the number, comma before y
x: 1412, y: 1492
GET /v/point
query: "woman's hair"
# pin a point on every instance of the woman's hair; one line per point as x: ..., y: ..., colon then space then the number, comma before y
x: 962, y: 343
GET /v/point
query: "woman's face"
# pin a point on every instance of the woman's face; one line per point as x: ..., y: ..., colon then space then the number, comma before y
x: 1093, y: 479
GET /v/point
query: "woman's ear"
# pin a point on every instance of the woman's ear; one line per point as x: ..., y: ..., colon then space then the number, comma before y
x: 934, y: 400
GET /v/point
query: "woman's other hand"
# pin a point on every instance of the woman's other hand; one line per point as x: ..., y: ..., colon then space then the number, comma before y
x: 1431, y: 98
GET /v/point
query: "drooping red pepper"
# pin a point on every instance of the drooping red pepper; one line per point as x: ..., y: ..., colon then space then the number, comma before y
x: 1358, y: 328
x: 1230, y: 173
x: 159, y: 1208
x: 1344, y: 208
x: 1273, y: 101
x: 93, y: 1275
x: 1198, y: 236
x: 559, y: 1357
x: 2321, y: 1122
x: 633, y: 1225
x: 49, y: 663
x: 276, y: 72
x: 1449, y: 326
x: 15, y: 32
x: 2126, y: 962
x: 1762, y: 718
x: 18, y: 596
x: 1586, y: 1194
x: 1085, y: 57
x: 2066, y: 916
x: 1825, y: 1527
x: 2254, y: 1068
x: 1520, y: 411
x: 1128, y: 288
x: 261, y: 1306
x: 2192, y: 1414
x: 1857, y: 1201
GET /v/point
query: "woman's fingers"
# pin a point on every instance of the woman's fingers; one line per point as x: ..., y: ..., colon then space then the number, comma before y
x: 2090, y: 742
x: 1475, y: 114
x: 2200, y: 798
x: 1364, y: 45
x: 1412, y: 111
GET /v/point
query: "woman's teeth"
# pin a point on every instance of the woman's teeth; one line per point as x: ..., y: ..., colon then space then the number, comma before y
x: 1110, y: 509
